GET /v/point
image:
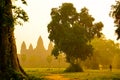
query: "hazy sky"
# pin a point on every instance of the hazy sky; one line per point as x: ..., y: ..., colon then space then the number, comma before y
x: 39, y: 14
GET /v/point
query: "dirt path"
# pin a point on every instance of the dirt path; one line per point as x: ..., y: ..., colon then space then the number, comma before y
x: 56, y: 77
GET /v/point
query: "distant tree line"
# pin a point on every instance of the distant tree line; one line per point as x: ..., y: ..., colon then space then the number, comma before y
x: 105, y: 53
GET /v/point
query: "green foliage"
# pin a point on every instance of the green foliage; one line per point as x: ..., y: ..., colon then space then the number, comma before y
x: 19, y: 15
x: 24, y: 2
x: 115, y: 13
x: 55, y: 51
x: 105, y: 52
x: 5, y: 18
x: 72, y: 32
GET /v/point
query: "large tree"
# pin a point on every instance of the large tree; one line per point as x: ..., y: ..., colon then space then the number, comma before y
x: 72, y: 33
x: 115, y: 13
x: 10, y: 68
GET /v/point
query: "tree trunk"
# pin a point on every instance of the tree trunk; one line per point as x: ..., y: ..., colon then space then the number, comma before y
x: 9, y: 64
x: 74, y: 66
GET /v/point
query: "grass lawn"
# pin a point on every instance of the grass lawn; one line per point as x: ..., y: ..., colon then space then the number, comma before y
x: 94, y: 75
x: 86, y: 75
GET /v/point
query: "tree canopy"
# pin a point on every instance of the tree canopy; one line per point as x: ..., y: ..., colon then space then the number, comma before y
x: 72, y: 32
x: 18, y: 14
x: 115, y: 13
x: 104, y: 52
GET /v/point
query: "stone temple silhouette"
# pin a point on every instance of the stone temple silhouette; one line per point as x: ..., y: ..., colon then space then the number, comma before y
x: 39, y: 56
